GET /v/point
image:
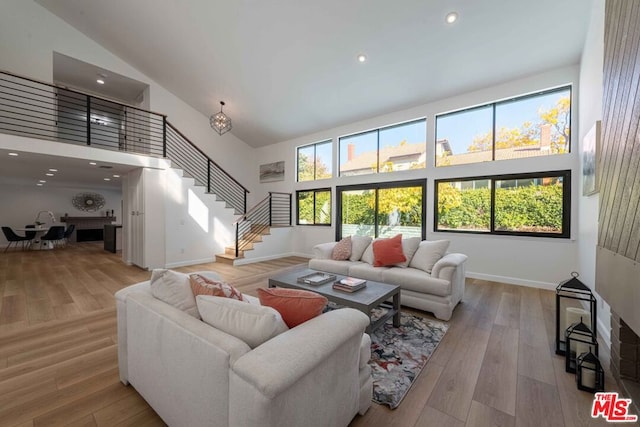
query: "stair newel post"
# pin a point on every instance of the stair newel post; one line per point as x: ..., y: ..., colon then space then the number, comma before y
x: 270, y: 202
x: 245, y: 201
x: 208, y: 176
x: 290, y: 214
x: 237, y: 238
x: 164, y: 136
x: 88, y: 120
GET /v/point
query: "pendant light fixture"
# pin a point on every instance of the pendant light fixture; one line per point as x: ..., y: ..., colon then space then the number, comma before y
x: 220, y: 122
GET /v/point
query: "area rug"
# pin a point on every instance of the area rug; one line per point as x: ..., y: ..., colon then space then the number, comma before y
x: 398, y: 355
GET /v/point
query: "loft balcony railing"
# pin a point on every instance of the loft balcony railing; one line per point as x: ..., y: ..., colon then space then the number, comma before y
x: 272, y: 211
x: 41, y: 110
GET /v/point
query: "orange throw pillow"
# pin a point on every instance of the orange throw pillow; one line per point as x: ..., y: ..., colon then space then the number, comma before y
x: 200, y: 285
x: 296, y: 306
x: 388, y: 251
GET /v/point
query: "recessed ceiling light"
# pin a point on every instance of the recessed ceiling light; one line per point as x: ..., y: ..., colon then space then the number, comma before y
x: 39, y: 184
x: 107, y: 179
x: 53, y: 170
x: 100, y: 81
x: 362, y: 58
x: 42, y: 181
x: 13, y: 154
x: 92, y: 163
x: 116, y: 176
x: 48, y: 174
x: 451, y: 17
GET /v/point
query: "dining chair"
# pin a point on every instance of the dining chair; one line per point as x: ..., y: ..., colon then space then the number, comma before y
x: 12, y: 237
x: 68, y: 233
x: 55, y: 234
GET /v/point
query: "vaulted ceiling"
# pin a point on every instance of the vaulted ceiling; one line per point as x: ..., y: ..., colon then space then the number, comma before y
x: 287, y: 68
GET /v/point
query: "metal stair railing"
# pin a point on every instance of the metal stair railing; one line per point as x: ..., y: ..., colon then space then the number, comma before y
x: 33, y: 108
x: 272, y: 211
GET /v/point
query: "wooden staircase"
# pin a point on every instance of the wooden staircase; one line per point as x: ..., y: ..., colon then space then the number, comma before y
x: 247, y: 243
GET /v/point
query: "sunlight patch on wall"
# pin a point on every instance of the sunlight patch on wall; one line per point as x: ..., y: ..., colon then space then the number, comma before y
x: 198, y: 211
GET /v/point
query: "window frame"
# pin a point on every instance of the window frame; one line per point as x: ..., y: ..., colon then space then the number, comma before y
x: 381, y: 186
x: 315, y: 149
x: 566, y: 203
x: 493, y: 106
x: 377, y: 132
x: 314, y: 190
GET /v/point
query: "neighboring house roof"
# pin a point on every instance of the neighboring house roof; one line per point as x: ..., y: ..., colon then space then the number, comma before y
x: 501, y: 154
x: 399, y: 153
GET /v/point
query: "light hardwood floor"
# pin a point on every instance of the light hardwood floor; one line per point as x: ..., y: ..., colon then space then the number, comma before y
x: 58, y: 359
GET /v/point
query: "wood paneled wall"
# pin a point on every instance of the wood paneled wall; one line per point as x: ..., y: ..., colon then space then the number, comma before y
x: 618, y: 253
x: 619, y: 229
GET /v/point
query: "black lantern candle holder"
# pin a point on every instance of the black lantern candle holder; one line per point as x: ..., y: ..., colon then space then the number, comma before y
x: 579, y: 339
x: 589, y: 373
x: 566, y: 292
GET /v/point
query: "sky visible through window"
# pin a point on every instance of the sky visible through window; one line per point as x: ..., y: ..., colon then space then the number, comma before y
x: 509, y: 114
x: 412, y: 133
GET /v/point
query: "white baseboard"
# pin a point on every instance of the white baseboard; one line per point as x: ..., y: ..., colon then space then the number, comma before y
x: 189, y: 262
x: 513, y: 281
x: 243, y: 261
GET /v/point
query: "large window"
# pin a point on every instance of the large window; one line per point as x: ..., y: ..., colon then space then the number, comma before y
x: 536, y: 204
x: 389, y: 149
x: 526, y: 126
x: 314, y: 207
x: 314, y: 161
x: 381, y: 210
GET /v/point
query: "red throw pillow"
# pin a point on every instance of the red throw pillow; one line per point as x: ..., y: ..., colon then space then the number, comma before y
x: 388, y: 251
x: 296, y: 306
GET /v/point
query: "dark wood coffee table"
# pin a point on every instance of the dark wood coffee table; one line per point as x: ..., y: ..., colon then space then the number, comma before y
x: 373, y: 295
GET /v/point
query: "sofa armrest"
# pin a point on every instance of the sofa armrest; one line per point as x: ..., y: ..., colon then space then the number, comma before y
x: 308, y: 375
x: 440, y: 271
x: 451, y: 267
x: 292, y: 354
x: 323, y: 250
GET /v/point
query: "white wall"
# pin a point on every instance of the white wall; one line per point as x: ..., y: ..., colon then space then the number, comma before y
x: 30, y: 34
x: 196, y: 225
x: 590, y: 107
x: 23, y: 200
x: 542, y: 262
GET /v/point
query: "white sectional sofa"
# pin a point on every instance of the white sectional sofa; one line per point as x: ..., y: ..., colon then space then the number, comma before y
x: 192, y: 374
x: 437, y: 289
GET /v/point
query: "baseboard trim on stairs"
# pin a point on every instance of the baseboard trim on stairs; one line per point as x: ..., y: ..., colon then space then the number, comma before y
x: 189, y: 262
x: 241, y: 261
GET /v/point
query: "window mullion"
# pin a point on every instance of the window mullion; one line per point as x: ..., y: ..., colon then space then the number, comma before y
x: 493, y: 132
x: 492, y: 217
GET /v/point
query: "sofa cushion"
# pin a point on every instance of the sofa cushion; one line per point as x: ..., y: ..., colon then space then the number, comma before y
x: 253, y: 324
x: 388, y: 251
x: 358, y: 246
x: 295, y: 305
x: 342, y: 250
x: 428, y: 254
x: 175, y: 289
x: 331, y: 266
x: 417, y: 280
x: 409, y: 248
x: 200, y: 285
x: 365, y: 271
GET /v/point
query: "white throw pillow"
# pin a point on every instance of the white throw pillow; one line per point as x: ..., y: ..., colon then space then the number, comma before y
x: 253, y: 324
x: 367, y: 256
x: 428, y: 254
x: 175, y: 289
x: 409, y: 248
x: 358, y: 246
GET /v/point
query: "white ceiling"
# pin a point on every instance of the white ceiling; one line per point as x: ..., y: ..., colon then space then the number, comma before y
x: 32, y: 167
x: 287, y: 68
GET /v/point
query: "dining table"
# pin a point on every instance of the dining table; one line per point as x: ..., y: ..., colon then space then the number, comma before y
x: 39, y: 232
